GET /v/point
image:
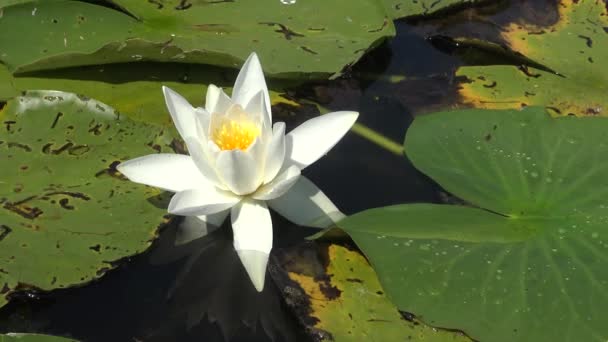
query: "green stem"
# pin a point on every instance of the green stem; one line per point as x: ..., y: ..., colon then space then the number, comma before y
x: 377, y: 138
x: 367, y: 133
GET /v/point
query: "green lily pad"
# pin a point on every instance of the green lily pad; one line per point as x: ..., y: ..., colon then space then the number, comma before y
x: 7, y: 87
x: 576, y: 46
x: 15, y: 337
x: 530, y: 262
x: 402, y: 9
x: 306, y: 39
x: 132, y: 89
x: 67, y: 214
x: 337, y: 296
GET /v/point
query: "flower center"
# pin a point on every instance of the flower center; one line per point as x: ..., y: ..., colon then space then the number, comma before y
x: 232, y: 135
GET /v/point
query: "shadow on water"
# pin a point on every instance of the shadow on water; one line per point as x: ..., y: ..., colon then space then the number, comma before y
x: 199, y: 291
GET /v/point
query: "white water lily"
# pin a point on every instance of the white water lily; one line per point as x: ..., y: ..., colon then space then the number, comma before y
x: 240, y: 163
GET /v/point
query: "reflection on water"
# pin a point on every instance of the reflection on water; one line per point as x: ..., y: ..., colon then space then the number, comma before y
x: 168, y: 294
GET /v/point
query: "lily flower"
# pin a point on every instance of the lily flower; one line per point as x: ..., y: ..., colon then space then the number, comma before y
x: 241, y: 164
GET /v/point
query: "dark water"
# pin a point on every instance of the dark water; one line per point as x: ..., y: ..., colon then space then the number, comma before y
x: 199, y: 292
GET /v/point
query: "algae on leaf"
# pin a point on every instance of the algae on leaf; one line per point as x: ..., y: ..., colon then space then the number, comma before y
x: 67, y: 214
x: 530, y: 262
x: 576, y: 46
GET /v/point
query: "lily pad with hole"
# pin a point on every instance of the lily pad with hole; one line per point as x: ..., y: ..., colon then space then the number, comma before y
x: 527, y: 260
x: 575, y: 47
x: 66, y: 214
x: 336, y: 295
x: 307, y: 39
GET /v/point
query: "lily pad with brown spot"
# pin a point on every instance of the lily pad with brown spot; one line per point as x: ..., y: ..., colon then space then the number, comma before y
x: 576, y: 46
x: 336, y: 295
x: 66, y: 214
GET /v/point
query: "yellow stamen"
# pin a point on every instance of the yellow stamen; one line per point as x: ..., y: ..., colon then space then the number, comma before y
x: 232, y: 135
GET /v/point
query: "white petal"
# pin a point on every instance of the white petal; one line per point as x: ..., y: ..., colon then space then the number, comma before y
x: 257, y: 151
x: 223, y: 103
x: 256, y: 108
x: 238, y: 171
x: 252, y: 226
x: 205, y: 165
x: 213, y: 94
x: 255, y: 263
x: 252, y: 230
x: 306, y: 205
x: 193, y: 202
x: 279, y: 186
x: 202, y: 157
x: 195, y: 227
x: 173, y: 172
x: 203, y: 119
x: 312, y: 139
x: 249, y: 82
x: 275, y: 152
x: 182, y: 113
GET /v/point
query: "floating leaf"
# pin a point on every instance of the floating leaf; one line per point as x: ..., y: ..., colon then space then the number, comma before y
x: 401, y: 9
x: 67, y: 214
x: 15, y: 337
x: 132, y: 89
x: 531, y: 263
x: 576, y: 46
x: 7, y: 88
x: 337, y: 296
x: 312, y: 38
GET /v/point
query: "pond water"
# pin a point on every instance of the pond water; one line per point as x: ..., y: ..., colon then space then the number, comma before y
x: 407, y: 76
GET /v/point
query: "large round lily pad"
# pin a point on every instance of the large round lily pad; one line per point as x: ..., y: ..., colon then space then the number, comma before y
x: 313, y: 37
x: 530, y: 262
x: 576, y: 47
x: 66, y: 213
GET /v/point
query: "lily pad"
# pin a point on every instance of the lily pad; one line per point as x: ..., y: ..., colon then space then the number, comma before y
x: 337, y: 296
x: 7, y: 88
x: 132, y: 89
x: 576, y: 46
x: 15, y: 337
x: 530, y: 262
x: 67, y: 214
x: 402, y: 9
x: 307, y: 39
